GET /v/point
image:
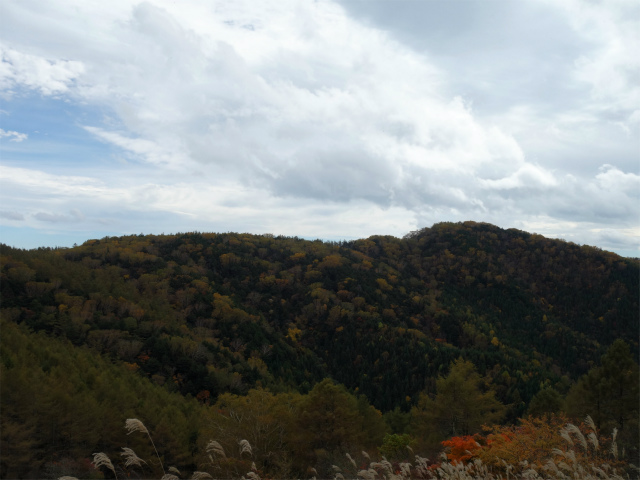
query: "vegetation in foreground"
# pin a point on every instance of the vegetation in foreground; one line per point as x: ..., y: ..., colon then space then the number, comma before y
x: 57, y: 397
x: 536, y: 450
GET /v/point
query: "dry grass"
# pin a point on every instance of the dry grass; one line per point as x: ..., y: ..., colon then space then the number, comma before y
x: 583, y: 457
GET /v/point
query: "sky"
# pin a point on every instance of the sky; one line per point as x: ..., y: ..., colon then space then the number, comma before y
x: 319, y: 119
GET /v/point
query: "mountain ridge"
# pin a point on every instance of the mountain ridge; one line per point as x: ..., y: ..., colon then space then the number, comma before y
x: 286, y: 312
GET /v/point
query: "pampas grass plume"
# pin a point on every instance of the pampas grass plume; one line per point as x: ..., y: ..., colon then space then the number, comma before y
x: 245, y: 447
x: 571, y: 428
x: 168, y: 476
x: 131, y: 457
x: 101, y: 460
x: 200, y: 476
x: 216, y: 448
x: 135, y: 425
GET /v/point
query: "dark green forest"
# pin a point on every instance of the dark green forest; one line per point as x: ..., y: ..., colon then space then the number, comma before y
x: 184, y: 331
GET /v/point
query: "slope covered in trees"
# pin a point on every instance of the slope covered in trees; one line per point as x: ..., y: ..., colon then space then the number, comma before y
x: 207, y: 315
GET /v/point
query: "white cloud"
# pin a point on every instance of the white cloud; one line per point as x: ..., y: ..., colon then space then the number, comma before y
x: 612, y: 179
x: 142, y: 149
x: 19, y: 69
x: 38, y: 181
x: 529, y: 176
x: 13, y: 136
x: 293, y: 115
x: 307, y: 105
x: 188, y: 206
x: 612, y: 66
x: 624, y: 240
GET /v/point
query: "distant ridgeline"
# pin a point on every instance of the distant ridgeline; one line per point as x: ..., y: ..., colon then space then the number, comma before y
x: 383, y: 316
x: 207, y: 314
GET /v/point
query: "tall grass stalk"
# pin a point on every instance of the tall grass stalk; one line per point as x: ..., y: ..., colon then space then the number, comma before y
x: 135, y: 425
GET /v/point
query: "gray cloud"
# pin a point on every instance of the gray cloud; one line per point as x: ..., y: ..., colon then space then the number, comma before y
x: 11, y: 215
x: 74, y: 216
x: 498, y: 53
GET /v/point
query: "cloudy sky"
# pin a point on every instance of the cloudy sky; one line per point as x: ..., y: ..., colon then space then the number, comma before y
x: 320, y: 119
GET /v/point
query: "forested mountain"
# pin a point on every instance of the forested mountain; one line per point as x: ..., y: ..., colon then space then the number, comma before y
x: 208, y: 314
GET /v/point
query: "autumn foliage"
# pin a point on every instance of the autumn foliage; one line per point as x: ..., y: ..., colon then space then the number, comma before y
x: 536, y: 445
x: 532, y: 440
x: 461, y: 449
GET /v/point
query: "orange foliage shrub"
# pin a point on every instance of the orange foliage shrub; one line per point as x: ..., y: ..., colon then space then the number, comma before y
x: 462, y: 448
x: 533, y: 440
